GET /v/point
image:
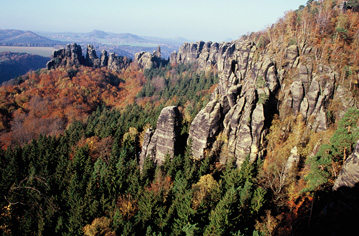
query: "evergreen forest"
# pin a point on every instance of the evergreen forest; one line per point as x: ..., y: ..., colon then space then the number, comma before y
x: 71, y: 139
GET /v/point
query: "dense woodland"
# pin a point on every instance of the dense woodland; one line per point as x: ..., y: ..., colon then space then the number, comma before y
x: 16, y: 64
x: 71, y: 137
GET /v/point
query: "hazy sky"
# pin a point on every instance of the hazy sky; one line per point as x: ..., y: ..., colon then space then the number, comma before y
x: 214, y: 20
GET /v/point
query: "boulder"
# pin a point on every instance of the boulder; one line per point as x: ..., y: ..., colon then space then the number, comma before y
x: 297, y: 93
x: 291, y: 54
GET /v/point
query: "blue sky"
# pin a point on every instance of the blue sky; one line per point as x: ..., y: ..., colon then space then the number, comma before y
x: 215, y: 20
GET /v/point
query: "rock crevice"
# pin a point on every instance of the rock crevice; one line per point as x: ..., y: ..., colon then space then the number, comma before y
x: 252, y: 88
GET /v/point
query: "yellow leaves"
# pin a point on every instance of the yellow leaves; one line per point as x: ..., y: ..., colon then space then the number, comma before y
x: 142, y: 134
x: 268, y: 224
x: 99, y: 226
x: 203, y: 189
x: 5, y: 212
x: 342, y: 21
x: 286, y: 134
x: 275, y: 133
x: 131, y: 135
x: 98, y: 148
x: 127, y: 206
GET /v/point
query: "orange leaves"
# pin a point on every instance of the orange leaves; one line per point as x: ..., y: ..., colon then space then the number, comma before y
x: 161, y: 185
x: 296, y: 204
x: 54, y: 95
x: 98, y: 148
x: 127, y: 206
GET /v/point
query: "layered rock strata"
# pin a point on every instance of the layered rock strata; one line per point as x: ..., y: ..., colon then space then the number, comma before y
x: 164, y: 140
x: 254, y: 86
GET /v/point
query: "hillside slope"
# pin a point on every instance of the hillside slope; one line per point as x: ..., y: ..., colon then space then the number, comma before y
x: 153, y: 148
x: 282, y: 94
x: 15, y: 64
x: 25, y: 38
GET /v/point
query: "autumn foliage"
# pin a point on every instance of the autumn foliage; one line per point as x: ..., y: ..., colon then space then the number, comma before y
x: 48, y: 101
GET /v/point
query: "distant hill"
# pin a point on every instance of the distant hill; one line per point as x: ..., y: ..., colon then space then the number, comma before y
x: 98, y: 36
x: 25, y: 38
x: 124, y: 44
x: 15, y: 64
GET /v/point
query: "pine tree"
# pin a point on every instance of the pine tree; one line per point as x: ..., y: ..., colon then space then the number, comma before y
x: 221, y: 218
x: 148, y: 171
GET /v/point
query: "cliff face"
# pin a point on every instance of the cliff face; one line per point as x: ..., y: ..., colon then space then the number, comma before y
x: 71, y: 55
x: 254, y: 85
x: 164, y: 140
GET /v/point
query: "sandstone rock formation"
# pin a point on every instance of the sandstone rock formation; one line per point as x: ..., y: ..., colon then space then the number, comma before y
x: 237, y: 111
x: 349, y: 175
x: 104, y: 58
x: 164, y: 140
x: 205, y: 127
x: 117, y: 63
x: 66, y: 57
x: 72, y: 56
x: 91, y: 57
x: 254, y: 86
x: 147, y: 60
x: 292, y: 162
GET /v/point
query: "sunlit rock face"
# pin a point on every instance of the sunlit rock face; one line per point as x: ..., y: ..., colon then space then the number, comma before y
x: 254, y: 86
x: 164, y: 140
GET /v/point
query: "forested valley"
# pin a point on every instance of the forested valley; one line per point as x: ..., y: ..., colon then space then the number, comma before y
x: 71, y: 139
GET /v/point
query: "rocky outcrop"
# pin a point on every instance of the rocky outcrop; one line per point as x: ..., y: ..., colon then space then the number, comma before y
x: 237, y: 114
x: 72, y: 56
x: 69, y: 56
x: 117, y: 63
x: 147, y: 60
x: 292, y: 162
x: 164, y: 140
x: 252, y: 88
x: 91, y: 57
x: 104, y: 58
x: 205, y: 54
x: 205, y: 127
x: 349, y: 175
x: 310, y: 94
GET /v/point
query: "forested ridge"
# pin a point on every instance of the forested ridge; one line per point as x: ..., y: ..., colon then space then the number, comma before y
x: 13, y: 65
x: 71, y: 138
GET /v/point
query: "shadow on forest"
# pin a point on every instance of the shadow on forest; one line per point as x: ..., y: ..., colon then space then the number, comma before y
x: 333, y: 213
